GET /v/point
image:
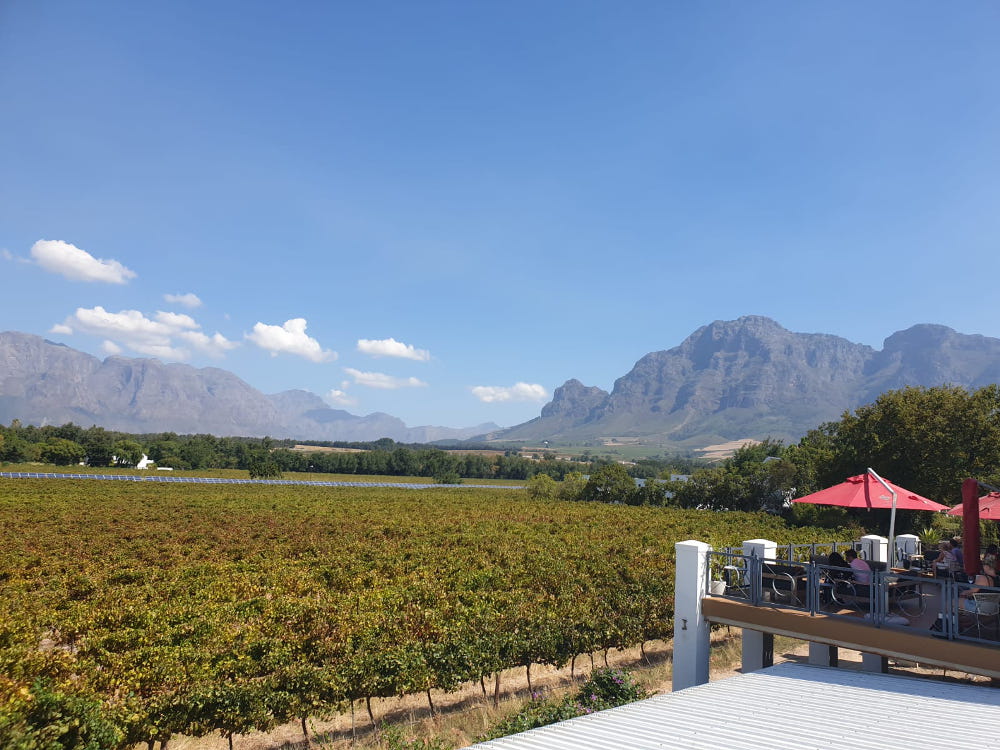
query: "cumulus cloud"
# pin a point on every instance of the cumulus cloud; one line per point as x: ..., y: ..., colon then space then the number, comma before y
x: 78, y: 265
x: 339, y: 398
x: 184, y: 300
x: 163, y: 336
x: 392, y: 348
x: 290, y: 338
x: 110, y: 347
x: 495, y: 394
x: 381, y: 380
x: 61, y: 329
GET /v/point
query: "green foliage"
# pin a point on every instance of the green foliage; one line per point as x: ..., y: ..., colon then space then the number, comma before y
x: 929, y: 537
x: 448, y: 477
x: 542, y: 487
x: 610, y: 484
x: 262, y: 465
x: 572, y: 486
x: 45, y: 717
x: 127, y: 452
x: 395, y: 740
x: 204, y: 608
x: 925, y: 439
x: 605, y: 688
x: 61, y: 452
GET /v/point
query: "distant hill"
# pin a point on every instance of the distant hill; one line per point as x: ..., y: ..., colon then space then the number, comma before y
x: 752, y: 378
x: 42, y: 382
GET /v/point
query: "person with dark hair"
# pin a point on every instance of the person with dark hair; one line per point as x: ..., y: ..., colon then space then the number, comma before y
x: 862, y: 571
x: 956, y: 551
x: 836, y: 560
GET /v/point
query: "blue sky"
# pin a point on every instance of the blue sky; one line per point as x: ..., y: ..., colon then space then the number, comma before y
x: 444, y: 210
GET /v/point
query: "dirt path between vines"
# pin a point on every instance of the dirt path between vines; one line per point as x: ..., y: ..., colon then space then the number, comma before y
x: 460, y: 716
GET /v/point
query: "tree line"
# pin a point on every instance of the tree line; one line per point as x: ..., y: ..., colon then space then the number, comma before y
x: 70, y: 444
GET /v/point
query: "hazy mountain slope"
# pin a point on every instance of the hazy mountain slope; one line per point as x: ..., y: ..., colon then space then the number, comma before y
x: 46, y: 383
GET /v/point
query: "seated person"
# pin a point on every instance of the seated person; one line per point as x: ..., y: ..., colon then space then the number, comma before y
x: 862, y: 572
x: 837, y: 561
x: 987, y: 578
x: 946, y: 558
x: 956, y: 550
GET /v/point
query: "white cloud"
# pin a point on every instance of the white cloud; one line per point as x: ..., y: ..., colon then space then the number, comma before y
x: 176, y: 320
x: 392, y: 348
x: 339, y: 398
x: 61, y: 329
x: 214, y: 346
x: 184, y: 300
x: 381, y: 380
x: 163, y: 336
x: 78, y: 265
x: 495, y: 394
x: 110, y: 347
x: 290, y: 338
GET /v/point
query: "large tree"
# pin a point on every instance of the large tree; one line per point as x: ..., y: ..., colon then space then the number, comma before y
x: 925, y: 439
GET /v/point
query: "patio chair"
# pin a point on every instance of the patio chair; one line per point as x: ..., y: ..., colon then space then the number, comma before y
x: 984, y: 622
x: 781, y: 583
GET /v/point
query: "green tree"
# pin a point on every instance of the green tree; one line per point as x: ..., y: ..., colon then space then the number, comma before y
x: 99, y: 445
x: 610, y: 484
x: 572, y: 486
x: 925, y: 439
x: 127, y: 452
x: 542, y: 487
x: 262, y: 465
x: 61, y: 452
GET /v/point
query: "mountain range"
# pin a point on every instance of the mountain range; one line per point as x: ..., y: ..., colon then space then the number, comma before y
x: 752, y: 378
x: 729, y: 380
x: 42, y: 382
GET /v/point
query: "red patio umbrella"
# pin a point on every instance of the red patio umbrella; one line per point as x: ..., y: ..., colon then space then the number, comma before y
x: 869, y: 490
x: 865, y: 491
x: 989, y: 508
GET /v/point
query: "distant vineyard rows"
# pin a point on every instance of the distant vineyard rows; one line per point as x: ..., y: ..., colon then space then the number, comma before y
x: 142, y: 611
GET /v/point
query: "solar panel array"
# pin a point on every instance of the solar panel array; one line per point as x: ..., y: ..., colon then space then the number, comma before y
x: 216, y: 480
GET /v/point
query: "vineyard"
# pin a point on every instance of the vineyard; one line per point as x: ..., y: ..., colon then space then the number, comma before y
x: 134, y: 612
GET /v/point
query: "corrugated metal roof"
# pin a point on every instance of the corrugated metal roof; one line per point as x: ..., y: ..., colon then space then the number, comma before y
x: 793, y: 706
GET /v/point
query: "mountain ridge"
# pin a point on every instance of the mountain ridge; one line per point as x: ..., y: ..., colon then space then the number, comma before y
x: 44, y: 382
x: 753, y: 378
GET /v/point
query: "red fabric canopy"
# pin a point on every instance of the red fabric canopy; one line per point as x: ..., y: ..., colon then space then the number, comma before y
x: 989, y: 508
x: 864, y: 491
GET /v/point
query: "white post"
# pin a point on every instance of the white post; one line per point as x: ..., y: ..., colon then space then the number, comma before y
x: 691, y: 629
x: 757, y: 647
x: 765, y: 549
x: 875, y: 548
x: 907, y: 544
x: 823, y: 655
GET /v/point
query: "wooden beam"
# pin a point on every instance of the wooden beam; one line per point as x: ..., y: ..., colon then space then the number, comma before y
x: 892, y: 642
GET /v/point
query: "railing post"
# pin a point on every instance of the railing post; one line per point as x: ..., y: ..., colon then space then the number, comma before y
x: 691, y: 629
x: 758, y: 647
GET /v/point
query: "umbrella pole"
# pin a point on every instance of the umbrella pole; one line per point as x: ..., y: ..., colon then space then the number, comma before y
x: 892, y: 518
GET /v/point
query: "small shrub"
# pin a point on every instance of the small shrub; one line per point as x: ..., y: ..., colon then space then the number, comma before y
x: 394, y: 740
x: 448, y: 477
x: 605, y: 688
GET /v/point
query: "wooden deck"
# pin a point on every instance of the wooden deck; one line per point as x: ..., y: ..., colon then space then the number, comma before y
x: 855, y: 633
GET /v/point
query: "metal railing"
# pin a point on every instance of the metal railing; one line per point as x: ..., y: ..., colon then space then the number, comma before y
x: 934, y: 606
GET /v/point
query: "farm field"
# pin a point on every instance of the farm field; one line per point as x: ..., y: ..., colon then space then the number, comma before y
x: 146, y: 611
x: 301, y: 476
